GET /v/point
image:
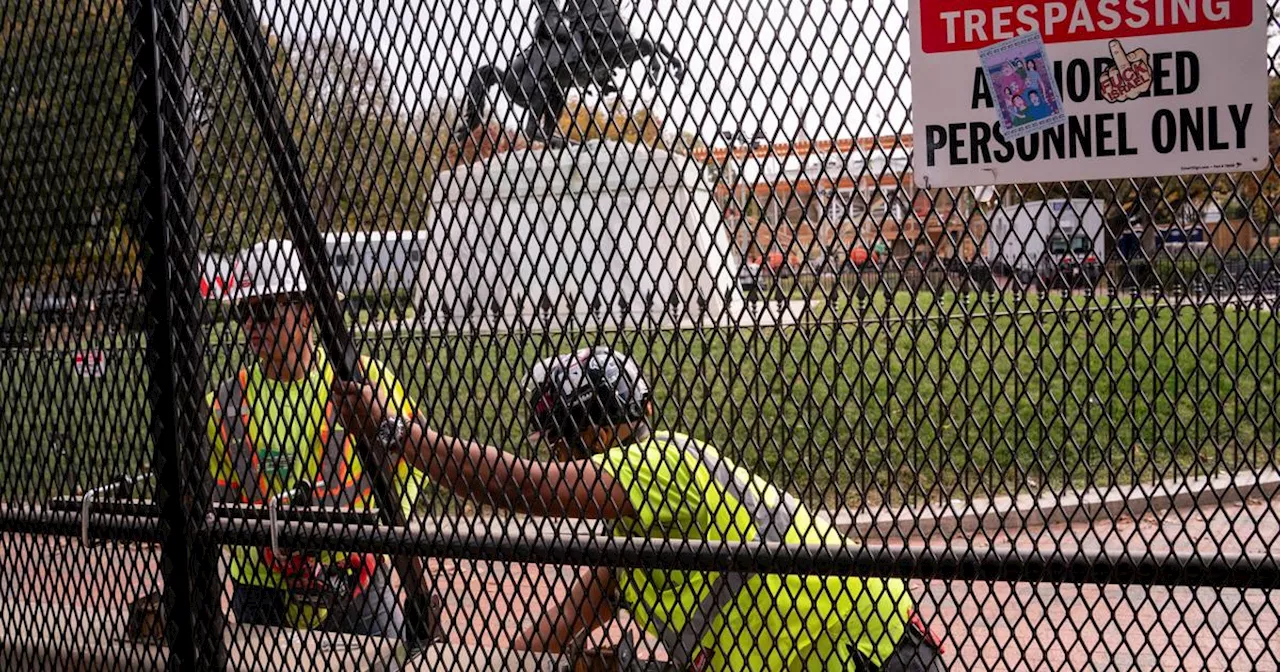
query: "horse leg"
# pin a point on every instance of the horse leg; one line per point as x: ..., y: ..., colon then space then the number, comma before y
x: 675, y: 65
x: 533, y: 87
x: 484, y: 77
x: 647, y: 49
x: 533, y: 126
x: 640, y: 48
x: 550, y: 118
x: 550, y: 130
x: 606, y: 84
x: 536, y: 110
x: 541, y: 117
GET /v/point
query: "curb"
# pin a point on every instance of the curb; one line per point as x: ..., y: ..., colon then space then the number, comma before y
x: 1007, y: 514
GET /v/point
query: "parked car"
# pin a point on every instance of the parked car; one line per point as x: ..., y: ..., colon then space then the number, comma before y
x: 1069, y: 263
x: 123, y: 306
x: 1054, y: 243
x: 749, y: 280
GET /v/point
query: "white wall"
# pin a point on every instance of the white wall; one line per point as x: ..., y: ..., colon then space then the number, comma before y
x: 598, y: 221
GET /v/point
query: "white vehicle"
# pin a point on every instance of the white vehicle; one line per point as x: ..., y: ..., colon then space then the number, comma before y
x: 217, y: 276
x: 359, y: 262
x: 1054, y: 243
x: 376, y: 261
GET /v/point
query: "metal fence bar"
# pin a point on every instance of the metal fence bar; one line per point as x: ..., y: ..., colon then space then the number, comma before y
x: 993, y: 564
x: 1232, y: 570
x: 174, y: 358
x: 300, y: 218
x: 115, y: 528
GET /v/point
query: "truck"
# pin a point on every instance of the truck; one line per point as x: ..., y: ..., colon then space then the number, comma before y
x: 380, y: 261
x: 361, y: 262
x: 1056, y: 243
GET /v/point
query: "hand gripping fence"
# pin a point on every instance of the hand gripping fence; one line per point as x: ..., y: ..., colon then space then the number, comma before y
x: 290, y: 182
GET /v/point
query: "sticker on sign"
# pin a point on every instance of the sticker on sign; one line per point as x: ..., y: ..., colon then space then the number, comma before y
x: 1145, y: 87
x: 1025, y: 94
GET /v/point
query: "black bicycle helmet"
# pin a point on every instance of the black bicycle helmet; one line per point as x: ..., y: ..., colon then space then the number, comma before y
x: 593, y: 387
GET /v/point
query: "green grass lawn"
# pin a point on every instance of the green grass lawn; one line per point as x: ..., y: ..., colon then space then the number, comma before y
x: 918, y: 397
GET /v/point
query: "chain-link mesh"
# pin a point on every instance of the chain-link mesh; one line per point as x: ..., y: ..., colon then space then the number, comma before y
x: 660, y: 358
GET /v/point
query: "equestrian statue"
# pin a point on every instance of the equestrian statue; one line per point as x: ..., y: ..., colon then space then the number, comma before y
x: 585, y: 45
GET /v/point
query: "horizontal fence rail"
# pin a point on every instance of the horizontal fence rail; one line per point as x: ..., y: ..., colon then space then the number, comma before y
x: 579, y: 548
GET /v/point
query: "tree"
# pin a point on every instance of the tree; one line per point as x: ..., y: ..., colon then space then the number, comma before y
x: 370, y: 164
x: 232, y: 192
x: 580, y: 122
x: 68, y: 168
x: 66, y: 160
x: 621, y: 122
x: 342, y: 92
x: 337, y: 100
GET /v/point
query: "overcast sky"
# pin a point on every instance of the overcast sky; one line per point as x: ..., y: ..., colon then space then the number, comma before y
x: 831, y: 69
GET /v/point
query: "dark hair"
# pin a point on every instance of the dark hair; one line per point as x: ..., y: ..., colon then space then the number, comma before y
x: 1024, y: 102
x: 1032, y: 64
x: 1033, y: 92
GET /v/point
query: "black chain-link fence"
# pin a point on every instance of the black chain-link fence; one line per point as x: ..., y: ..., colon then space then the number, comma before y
x: 728, y: 390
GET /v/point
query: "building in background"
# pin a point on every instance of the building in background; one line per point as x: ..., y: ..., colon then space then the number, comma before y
x: 825, y: 202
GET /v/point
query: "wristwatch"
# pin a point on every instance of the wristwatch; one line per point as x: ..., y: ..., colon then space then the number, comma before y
x: 391, y: 434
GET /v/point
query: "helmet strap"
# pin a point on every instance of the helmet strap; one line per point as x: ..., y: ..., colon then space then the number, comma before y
x: 578, y: 449
x: 639, y: 432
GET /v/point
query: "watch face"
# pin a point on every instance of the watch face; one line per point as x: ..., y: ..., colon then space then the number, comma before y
x: 392, y: 432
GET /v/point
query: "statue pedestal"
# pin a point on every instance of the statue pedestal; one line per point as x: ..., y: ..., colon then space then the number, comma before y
x: 601, y: 235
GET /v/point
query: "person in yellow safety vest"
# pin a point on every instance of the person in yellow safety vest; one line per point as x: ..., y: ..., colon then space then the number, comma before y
x: 274, y: 433
x: 594, y: 406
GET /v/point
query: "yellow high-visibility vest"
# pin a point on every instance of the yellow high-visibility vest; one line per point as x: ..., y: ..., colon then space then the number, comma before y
x: 683, y: 489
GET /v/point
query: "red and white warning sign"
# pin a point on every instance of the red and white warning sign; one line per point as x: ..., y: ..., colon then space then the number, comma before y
x: 91, y: 363
x: 1148, y: 87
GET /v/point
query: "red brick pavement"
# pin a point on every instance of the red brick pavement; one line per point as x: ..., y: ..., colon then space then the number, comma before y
x: 1022, y: 626
x: 990, y: 626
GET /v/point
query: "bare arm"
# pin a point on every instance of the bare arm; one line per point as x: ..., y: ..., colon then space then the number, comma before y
x: 559, y: 627
x: 578, y: 489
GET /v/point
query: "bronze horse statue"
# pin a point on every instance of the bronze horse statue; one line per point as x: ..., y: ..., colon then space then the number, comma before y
x: 583, y: 46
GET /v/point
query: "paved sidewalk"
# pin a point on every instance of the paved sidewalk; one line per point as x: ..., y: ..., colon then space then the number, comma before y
x: 1023, y: 626
x: 989, y: 625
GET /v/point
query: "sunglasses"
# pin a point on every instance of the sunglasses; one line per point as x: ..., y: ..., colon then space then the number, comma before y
x: 262, y: 310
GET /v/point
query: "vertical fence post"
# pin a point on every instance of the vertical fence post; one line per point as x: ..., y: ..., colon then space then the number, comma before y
x: 291, y: 188
x: 175, y: 343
